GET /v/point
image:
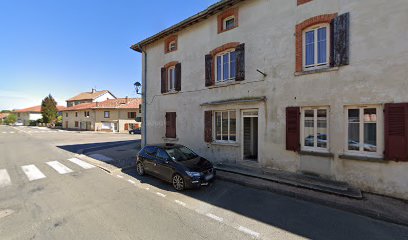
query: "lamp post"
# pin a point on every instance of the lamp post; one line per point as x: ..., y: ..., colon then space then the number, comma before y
x: 137, y: 86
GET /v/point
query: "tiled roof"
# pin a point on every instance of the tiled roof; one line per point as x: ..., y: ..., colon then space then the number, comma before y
x: 119, y: 103
x: 36, y: 109
x: 4, y: 115
x: 88, y: 95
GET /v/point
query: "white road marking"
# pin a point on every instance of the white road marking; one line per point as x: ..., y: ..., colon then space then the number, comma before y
x: 160, y: 194
x: 119, y: 176
x: 131, y: 181
x: 248, y: 231
x: 4, y: 178
x: 4, y: 132
x: 32, y: 172
x: 147, y: 188
x: 11, y: 132
x: 81, y: 163
x: 59, y: 167
x: 216, y: 218
x: 180, y: 203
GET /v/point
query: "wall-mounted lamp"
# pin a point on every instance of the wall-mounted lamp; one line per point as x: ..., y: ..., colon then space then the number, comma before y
x: 137, y: 85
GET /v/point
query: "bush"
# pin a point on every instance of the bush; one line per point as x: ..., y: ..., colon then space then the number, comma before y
x: 11, y: 119
x: 32, y: 123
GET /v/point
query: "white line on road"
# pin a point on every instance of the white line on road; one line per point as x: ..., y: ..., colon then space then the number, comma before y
x: 216, y: 218
x: 4, y: 132
x: 147, y: 188
x: 180, y: 203
x: 32, y: 172
x: 59, y: 167
x: 248, y: 231
x: 81, y: 163
x: 160, y: 194
x: 119, y: 176
x: 4, y: 178
x: 131, y: 181
x: 11, y: 132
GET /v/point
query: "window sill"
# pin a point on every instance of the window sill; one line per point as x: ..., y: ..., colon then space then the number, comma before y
x: 170, y: 139
x: 169, y: 93
x: 318, y: 154
x: 225, y: 144
x: 321, y: 70
x: 362, y: 158
x: 226, y: 84
x: 226, y: 30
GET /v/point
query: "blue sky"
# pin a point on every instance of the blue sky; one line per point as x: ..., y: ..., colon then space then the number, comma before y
x: 66, y: 47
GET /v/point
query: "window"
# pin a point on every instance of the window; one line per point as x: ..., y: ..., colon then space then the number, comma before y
x: 172, y: 46
x: 316, y: 47
x: 314, y: 124
x: 86, y: 114
x: 131, y: 115
x: 150, y: 150
x: 171, y: 79
x: 225, y: 126
x: 66, y: 114
x: 171, y: 125
x: 229, y: 23
x: 76, y: 124
x: 226, y: 66
x: 76, y: 114
x: 106, y: 114
x: 363, y: 130
x: 162, y: 154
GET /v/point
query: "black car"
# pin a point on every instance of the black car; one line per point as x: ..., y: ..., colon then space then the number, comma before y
x: 176, y: 164
x: 135, y: 131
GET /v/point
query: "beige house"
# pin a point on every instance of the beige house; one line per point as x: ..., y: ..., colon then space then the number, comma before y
x: 306, y: 86
x: 112, y: 115
x: 88, y: 97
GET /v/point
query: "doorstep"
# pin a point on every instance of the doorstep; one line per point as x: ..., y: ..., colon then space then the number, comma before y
x: 294, y: 179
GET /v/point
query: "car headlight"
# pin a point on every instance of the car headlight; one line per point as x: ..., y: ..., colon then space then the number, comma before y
x: 193, y: 174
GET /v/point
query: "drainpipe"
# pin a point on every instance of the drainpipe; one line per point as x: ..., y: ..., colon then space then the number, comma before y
x: 144, y: 84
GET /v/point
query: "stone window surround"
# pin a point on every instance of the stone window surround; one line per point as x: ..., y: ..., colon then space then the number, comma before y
x: 232, y: 12
x: 218, y: 50
x: 168, y: 40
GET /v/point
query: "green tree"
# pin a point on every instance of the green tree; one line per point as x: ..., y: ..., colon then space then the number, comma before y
x: 12, y: 118
x: 5, y: 111
x: 49, y: 109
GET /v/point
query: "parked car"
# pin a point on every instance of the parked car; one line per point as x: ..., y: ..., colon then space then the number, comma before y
x: 135, y: 131
x: 176, y: 164
x: 18, y: 123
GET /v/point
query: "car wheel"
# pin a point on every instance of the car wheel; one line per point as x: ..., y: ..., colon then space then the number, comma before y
x: 178, y: 182
x: 131, y: 133
x: 140, y: 168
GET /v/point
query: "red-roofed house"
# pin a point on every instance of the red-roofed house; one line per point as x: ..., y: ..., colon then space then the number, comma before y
x: 26, y: 115
x: 112, y: 115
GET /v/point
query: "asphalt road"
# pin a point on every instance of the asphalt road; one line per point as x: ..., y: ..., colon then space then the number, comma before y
x: 55, y: 198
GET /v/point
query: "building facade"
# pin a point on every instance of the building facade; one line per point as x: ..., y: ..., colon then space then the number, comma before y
x: 302, y: 86
x: 113, y: 115
x: 31, y: 114
x: 88, y: 97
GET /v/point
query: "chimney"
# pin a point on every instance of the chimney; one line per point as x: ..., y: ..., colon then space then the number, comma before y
x: 93, y: 90
x: 127, y: 100
x: 96, y: 103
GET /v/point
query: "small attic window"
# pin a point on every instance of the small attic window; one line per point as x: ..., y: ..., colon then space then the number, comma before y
x: 229, y: 23
x: 228, y: 20
x: 170, y: 44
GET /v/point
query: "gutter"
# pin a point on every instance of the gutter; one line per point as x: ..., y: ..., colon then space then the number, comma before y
x: 144, y: 98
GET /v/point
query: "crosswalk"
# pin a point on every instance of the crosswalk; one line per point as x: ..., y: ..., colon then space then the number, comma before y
x: 33, y: 172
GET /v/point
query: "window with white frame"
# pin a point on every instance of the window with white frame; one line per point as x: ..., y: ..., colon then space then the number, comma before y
x: 171, y: 79
x: 225, y: 126
x: 315, y: 134
x: 363, y: 135
x: 316, y: 47
x: 172, y: 46
x: 106, y: 114
x: 226, y: 66
x: 229, y: 23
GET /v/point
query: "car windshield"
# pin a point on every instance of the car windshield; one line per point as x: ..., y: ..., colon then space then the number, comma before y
x: 181, y: 154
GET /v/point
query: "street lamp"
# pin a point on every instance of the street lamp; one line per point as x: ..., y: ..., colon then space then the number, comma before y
x: 137, y: 85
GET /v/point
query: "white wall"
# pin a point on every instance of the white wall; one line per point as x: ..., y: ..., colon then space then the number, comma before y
x: 104, y: 97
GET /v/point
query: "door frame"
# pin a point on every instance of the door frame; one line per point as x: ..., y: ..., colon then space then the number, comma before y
x: 242, y: 132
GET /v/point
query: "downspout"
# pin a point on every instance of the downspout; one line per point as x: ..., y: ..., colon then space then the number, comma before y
x: 144, y: 98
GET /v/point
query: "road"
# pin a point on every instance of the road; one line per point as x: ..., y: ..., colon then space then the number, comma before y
x: 46, y: 194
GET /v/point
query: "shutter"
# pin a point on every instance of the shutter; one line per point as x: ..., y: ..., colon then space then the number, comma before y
x: 163, y: 80
x: 178, y: 77
x: 208, y: 126
x: 209, y: 81
x: 293, y: 129
x: 170, y: 125
x: 340, y: 47
x: 396, y: 131
x: 126, y: 126
x: 240, y: 61
x: 129, y: 116
x: 173, y: 125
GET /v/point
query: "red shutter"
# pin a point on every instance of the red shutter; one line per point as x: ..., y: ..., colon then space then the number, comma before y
x: 178, y: 77
x: 396, y: 131
x: 293, y: 129
x: 126, y: 126
x: 163, y: 80
x: 208, y: 126
x: 209, y: 78
x: 170, y: 125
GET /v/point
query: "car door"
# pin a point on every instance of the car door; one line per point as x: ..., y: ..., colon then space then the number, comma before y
x: 149, y: 159
x: 164, y: 165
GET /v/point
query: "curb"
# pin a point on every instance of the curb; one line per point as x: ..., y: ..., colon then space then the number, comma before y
x: 305, y: 197
x: 90, y: 149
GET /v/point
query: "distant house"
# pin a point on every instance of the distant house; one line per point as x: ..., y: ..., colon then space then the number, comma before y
x: 26, y: 115
x: 89, y: 97
x: 3, y: 117
x: 112, y: 115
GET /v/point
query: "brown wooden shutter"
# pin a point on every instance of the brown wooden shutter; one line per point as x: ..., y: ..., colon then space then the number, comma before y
x: 178, y: 77
x: 126, y: 126
x: 209, y: 78
x: 396, y: 131
x: 240, y: 61
x: 293, y: 129
x: 163, y: 80
x: 129, y: 115
x: 170, y: 125
x: 208, y: 126
x: 340, y: 43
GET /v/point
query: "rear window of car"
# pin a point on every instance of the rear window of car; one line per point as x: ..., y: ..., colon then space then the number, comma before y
x: 150, y: 150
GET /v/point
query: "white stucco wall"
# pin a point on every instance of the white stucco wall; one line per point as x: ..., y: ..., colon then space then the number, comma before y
x: 377, y: 74
x: 104, y: 97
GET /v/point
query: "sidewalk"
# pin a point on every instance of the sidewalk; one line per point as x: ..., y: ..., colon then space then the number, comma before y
x: 326, y: 192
